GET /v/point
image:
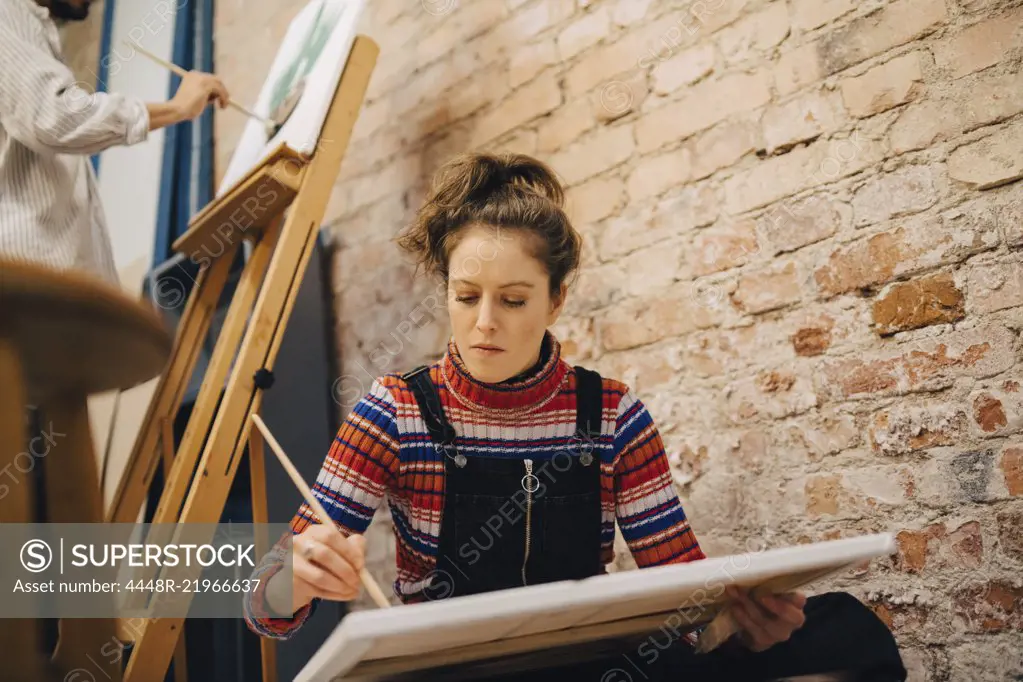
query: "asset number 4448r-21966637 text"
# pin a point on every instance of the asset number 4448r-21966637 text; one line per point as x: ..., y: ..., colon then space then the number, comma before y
x: 196, y: 585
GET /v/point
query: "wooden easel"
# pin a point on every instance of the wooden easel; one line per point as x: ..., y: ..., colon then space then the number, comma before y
x: 256, y: 319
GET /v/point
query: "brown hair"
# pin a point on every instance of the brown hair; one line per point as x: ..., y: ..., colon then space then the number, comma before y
x: 504, y: 190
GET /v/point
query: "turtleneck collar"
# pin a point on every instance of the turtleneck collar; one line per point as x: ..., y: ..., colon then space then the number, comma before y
x: 517, y: 396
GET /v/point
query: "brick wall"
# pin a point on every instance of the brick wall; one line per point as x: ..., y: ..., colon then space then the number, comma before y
x: 803, y: 227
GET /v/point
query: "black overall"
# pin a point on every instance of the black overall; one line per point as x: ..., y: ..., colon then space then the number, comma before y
x: 509, y: 522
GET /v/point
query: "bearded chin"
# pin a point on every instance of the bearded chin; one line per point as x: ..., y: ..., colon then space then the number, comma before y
x: 60, y: 9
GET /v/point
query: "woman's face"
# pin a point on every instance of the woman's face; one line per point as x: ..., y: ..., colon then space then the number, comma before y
x: 499, y: 302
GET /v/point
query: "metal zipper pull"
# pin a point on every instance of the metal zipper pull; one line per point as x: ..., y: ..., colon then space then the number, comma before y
x: 530, y: 483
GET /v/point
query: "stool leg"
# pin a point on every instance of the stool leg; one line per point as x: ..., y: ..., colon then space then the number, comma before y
x: 20, y: 637
x: 73, y: 496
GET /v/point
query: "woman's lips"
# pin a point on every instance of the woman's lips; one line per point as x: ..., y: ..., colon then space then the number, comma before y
x: 487, y: 351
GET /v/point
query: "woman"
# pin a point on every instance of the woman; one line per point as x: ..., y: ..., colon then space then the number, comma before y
x: 504, y: 466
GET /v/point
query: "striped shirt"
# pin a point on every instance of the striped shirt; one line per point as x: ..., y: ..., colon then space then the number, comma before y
x: 50, y: 211
x: 383, y: 448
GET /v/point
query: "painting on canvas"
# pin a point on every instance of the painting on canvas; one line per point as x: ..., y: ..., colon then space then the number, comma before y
x: 300, y: 85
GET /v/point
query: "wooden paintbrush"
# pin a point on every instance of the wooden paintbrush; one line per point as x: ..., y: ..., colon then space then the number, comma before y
x: 367, y: 579
x: 269, y: 125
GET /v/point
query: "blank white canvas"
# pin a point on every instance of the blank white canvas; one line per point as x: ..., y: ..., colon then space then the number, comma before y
x: 419, y: 629
x: 301, y: 132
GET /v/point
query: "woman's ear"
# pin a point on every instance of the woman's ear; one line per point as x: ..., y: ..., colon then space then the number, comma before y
x: 557, y: 304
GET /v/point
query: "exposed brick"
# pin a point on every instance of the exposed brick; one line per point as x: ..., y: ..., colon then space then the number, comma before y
x: 539, y: 97
x: 578, y: 338
x: 756, y: 33
x: 918, y: 244
x: 584, y: 33
x: 619, y: 98
x: 922, y: 302
x: 790, y: 225
x: 629, y: 12
x: 822, y: 434
x: 989, y: 607
x: 822, y: 494
x: 906, y: 191
x: 994, y: 285
x: 708, y: 102
x: 857, y: 492
x: 1011, y: 465
x: 685, y: 68
x: 891, y: 26
x: 528, y: 60
x: 903, y: 429
x: 774, y: 393
x: 658, y: 263
x: 653, y: 175
x: 713, y: 352
x: 722, y: 146
x: 809, y: 14
x: 722, y: 247
x: 595, y: 200
x: 1010, y: 533
x: 924, y: 365
x: 642, y: 370
x: 902, y: 616
x: 990, y: 162
x: 802, y: 168
x: 524, y: 24
x: 964, y: 106
x: 681, y: 212
x: 988, y: 412
x: 595, y: 154
x: 813, y: 339
x: 804, y: 118
x: 596, y: 288
x: 464, y: 22
x: 798, y: 68
x: 673, y: 313
x: 631, y: 51
x: 565, y: 124
x: 770, y: 289
x: 936, y: 547
x: 981, y: 45
x: 893, y: 83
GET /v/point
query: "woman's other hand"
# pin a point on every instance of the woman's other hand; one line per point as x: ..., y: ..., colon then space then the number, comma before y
x: 768, y: 620
x: 325, y: 565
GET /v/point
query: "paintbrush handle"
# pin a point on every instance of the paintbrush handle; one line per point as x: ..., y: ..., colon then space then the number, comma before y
x: 367, y: 580
x: 181, y: 72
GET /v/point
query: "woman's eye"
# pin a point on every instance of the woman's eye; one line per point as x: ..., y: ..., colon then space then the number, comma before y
x: 465, y: 299
x: 515, y: 304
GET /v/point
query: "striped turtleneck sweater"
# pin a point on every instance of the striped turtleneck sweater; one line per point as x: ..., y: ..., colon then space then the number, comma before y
x: 383, y: 448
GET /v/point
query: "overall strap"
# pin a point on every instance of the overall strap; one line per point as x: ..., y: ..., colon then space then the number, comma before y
x: 442, y: 434
x: 589, y: 397
x: 589, y: 393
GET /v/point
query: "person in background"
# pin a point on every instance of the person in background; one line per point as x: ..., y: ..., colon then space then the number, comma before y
x: 502, y: 428
x: 50, y: 210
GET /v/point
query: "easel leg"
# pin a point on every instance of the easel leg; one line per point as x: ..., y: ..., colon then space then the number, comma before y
x: 21, y: 637
x: 167, y: 442
x: 73, y: 496
x: 195, y: 323
x: 260, y: 516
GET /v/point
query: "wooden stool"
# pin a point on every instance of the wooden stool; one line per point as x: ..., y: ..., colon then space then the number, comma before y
x: 63, y: 337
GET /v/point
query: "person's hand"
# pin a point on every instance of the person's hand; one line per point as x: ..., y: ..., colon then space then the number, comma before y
x: 768, y: 620
x: 326, y: 565
x: 198, y: 89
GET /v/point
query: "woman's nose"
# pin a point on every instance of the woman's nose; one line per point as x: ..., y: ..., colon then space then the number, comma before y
x: 486, y: 320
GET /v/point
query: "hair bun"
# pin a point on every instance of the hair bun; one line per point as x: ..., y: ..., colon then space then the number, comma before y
x: 477, y: 177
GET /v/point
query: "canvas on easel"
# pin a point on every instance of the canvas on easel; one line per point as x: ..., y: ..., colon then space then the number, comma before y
x: 300, y: 84
x: 521, y: 629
